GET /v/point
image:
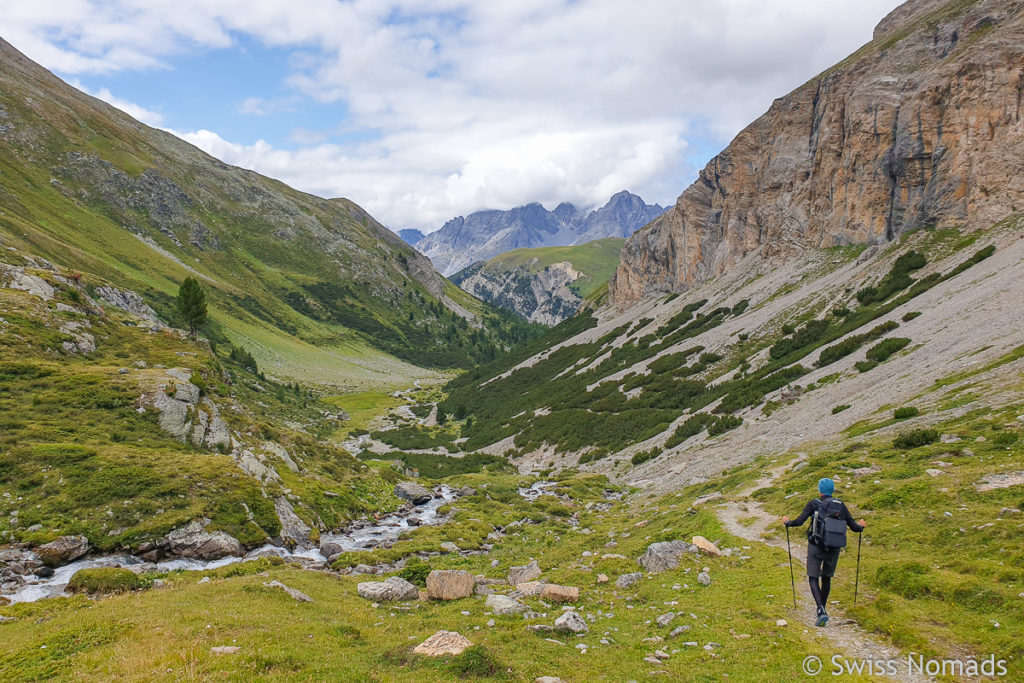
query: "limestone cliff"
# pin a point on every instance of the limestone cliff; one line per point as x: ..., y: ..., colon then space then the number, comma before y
x: 922, y: 126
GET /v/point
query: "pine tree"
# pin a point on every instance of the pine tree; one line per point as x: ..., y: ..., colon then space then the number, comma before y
x: 192, y: 304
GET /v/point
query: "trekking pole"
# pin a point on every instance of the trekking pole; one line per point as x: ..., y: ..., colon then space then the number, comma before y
x: 856, y: 584
x: 792, y: 581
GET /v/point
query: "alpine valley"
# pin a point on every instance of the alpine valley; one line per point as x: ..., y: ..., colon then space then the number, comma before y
x: 572, y: 468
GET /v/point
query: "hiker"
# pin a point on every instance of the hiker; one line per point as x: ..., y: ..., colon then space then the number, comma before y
x: 826, y: 536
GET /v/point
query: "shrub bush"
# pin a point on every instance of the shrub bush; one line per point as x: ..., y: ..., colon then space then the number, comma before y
x: 905, y: 413
x: 915, y: 438
x: 910, y: 316
x: 102, y: 580
x: 1005, y: 438
x: 475, y: 662
x: 841, y: 408
x: 881, y: 351
x: 643, y: 456
x: 415, y: 572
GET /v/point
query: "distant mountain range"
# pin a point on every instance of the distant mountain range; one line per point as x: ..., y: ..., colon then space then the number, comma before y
x: 483, y: 235
x: 411, y: 236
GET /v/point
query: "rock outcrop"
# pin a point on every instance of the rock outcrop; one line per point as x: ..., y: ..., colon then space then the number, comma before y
x: 194, y: 541
x: 524, y: 573
x: 413, y: 492
x: 63, y: 550
x: 921, y: 127
x: 662, y: 556
x: 392, y: 589
x: 183, y: 412
x: 543, y: 296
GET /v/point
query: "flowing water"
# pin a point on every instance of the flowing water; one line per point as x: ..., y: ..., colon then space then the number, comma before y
x: 360, y: 536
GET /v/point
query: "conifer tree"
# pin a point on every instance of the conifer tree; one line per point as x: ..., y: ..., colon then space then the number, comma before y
x: 192, y: 304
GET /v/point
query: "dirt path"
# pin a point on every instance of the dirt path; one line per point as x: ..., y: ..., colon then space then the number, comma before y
x: 843, y: 633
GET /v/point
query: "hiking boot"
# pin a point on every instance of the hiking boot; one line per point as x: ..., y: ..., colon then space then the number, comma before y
x: 822, y: 617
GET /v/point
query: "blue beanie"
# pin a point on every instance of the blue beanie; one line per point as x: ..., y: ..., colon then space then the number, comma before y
x: 826, y: 486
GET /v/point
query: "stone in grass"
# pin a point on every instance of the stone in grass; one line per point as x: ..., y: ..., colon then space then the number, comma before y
x: 292, y: 593
x: 706, y: 546
x: 555, y: 593
x: 450, y: 548
x: 391, y: 589
x: 450, y: 584
x: 571, y: 622
x: 704, y: 579
x: 781, y: 622
x: 502, y: 604
x: 665, y: 619
x: 530, y: 588
x: 602, y: 578
x: 443, y: 643
x: 224, y: 650
x: 548, y: 679
x: 524, y: 573
x: 679, y: 630
x: 627, y: 580
x: 663, y: 556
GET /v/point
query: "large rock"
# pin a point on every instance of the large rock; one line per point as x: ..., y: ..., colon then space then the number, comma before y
x: 706, y: 546
x: 27, y: 282
x: 413, y: 492
x: 443, y: 643
x: 391, y: 589
x: 524, y: 573
x: 193, y: 541
x: 662, y: 556
x: 502, y: 604
x: 63, y: 550
x: 627, y: 580
x: 911, y: 131
x: 294, y: 532
x: 530, y: 588
x: 571, y: 622
x: 450, y: 584
x: 555, y: 593
x: 128, y: 300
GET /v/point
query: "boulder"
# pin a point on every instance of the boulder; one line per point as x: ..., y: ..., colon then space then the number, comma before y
x: 602, y: 578
x: 450, y: 584
x: 555, y: 593
x: 704, y: 579
x: 706, y: 546
x: 466, y: 491
x: 665, y: 619
x: 195, y: 542
x: 502, y: 604
x: 413, y: 492
x: 571, y: 622
x: 662, y: 556
x: 63, y: 550
x: 294, y: 532
x: 391, y: 589
x: 530, y: 587
x: 330, y: 546
x: 524, y: 573
x: 627, y: 580
x: 450, y: 548
x: 443, y: 643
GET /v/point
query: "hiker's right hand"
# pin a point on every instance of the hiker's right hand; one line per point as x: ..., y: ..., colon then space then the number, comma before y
x: 862, y: 523
x: 785, y: 521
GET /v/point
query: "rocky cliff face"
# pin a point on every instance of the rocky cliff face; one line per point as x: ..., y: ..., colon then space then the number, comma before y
x: 920, y: 127
x: 540, y: 296
x: 482, y: 235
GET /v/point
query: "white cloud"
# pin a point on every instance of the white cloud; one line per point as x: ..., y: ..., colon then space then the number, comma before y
x: 477, y: 103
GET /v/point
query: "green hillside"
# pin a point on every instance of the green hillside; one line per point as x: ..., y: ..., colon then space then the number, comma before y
x: 596, y: 260
x: 315, y: 288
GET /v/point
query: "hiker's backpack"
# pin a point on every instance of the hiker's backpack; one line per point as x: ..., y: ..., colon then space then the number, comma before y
x: 828, y: 526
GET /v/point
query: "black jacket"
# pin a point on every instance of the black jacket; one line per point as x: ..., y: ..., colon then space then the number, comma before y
x: 812, y: 506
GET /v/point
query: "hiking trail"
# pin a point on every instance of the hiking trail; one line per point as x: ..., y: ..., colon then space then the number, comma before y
x: 844, y: 634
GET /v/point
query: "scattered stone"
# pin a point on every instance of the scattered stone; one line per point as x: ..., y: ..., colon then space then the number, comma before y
x: 450, y: 548
x: 539, y: 628
x: 934, y: 472
x: 652, y: 660
x: 450, y: 584
x: 781, y: 622
x: 661, y: 654
x: 44, y: 572
x: 571, y: 622
x: 224, y: 650
x: 443, y: 643
x: 704, y: 579
x: 413, y: 492
x: 524, y: 573
x: 494, y: 563
x: 555, y: 593
x: 530, y: 588
x: 394, y: 588
x: 292, y: 593
x: 205, y: 579
x: 665, y: 619
x: 502, y: 604
x: 679, y: 630
x: 1000, y: 481
x: 63, y: 550
x: 627, y: 580
x: 548, y: 679
x: 706, y: 546
x: 662, y: 556
x: 602, y: 578
x: 613, y: 556
x: 949, y: 438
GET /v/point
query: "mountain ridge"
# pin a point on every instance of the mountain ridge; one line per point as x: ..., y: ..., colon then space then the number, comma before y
x: 483, y: 235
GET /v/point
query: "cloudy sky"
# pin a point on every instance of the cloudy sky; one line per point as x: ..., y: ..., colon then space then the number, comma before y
x: 424, y: 110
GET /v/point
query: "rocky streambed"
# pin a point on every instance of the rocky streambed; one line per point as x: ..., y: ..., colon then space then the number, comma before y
x: 27, y: 575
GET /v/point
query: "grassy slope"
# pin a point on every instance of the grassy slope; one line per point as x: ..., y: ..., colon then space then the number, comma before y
x: 284, y: 271
x: 597, y: 261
